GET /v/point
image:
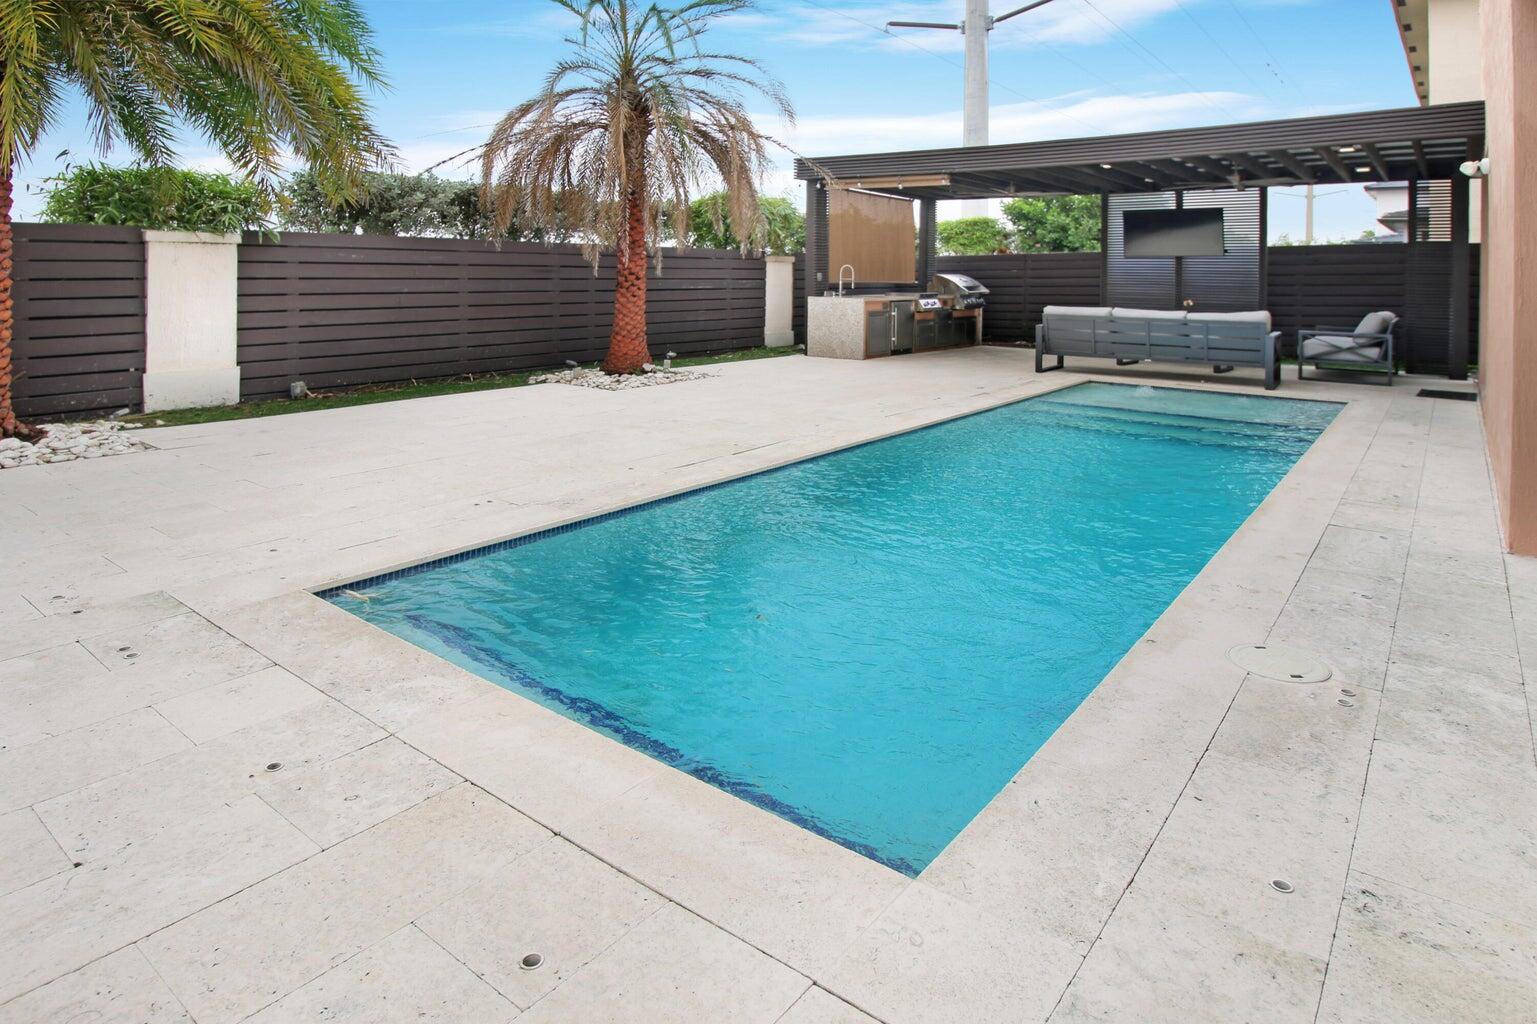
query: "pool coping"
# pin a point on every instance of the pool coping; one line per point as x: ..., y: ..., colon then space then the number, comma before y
x: 821, y: 909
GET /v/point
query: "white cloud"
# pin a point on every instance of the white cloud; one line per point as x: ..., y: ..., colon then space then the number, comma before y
x: 1059, y: 117
x: 840, y: 24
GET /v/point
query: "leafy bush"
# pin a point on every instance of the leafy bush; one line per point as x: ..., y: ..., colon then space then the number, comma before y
x: 155, y: 197
x: 409, y: 205
x: 784, y: 227
x: 1054, y: 223
x: 971, y: 236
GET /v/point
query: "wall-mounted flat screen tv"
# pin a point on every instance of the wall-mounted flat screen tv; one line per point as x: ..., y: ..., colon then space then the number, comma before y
x: 1151, y: 233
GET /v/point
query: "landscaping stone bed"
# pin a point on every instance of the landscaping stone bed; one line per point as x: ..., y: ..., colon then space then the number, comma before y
x: 66, y: 442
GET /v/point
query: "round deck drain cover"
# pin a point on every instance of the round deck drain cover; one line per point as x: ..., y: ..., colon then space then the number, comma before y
x: 1287, y: 664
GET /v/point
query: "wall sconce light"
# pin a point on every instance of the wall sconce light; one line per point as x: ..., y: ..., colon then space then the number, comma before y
x: 1475, y: 168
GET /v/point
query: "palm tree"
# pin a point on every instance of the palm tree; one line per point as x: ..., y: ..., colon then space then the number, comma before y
x: 640, y: 116
x: 263, y: 79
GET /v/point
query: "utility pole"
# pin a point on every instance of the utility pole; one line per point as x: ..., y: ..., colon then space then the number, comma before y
x: 977, y: 24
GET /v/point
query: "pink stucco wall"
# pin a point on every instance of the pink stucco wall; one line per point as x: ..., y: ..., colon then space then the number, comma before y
x: 1508, y: 317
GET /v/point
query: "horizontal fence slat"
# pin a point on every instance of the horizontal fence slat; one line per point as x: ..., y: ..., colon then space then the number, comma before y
x: 343, y: 310
x: 79, y: 318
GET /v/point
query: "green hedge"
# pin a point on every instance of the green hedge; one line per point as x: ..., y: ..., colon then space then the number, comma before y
x: 155, y: 197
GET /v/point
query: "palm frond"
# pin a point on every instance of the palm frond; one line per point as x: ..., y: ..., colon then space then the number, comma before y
x: 640, y: 107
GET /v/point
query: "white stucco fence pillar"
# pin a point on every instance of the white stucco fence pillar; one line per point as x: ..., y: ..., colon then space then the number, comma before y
x: 189, y: 319
x: 778, y: 301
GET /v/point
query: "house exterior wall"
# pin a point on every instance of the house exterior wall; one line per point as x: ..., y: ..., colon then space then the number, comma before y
x: 1508, y: 352
x: 1455, y: 68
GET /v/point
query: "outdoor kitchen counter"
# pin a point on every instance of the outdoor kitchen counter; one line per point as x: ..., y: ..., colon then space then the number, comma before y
x: 835, y: 324
x: 881, y: 324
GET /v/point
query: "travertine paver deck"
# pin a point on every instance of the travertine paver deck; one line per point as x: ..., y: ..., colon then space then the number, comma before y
x: 425, y: 829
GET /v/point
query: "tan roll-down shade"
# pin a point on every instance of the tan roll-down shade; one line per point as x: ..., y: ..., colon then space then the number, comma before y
x: 874, y: 234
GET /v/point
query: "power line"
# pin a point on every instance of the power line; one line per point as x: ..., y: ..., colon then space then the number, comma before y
x: 1157, y: 59
x: 1274, y: 63
x: 1222, y: 49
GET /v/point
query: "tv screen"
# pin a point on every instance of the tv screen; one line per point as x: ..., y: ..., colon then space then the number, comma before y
x: 1172, y: 233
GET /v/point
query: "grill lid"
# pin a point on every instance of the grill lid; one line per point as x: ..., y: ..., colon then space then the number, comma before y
x: 962, y: 283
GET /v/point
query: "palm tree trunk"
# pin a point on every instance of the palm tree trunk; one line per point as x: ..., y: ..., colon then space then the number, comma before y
x: 8, y: 424
x: 627, y: 351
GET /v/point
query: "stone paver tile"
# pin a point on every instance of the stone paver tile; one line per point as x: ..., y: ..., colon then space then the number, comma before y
x: 1301, y: 729
x: 552, y: 769
x: 818, y: 1006
x: 1438, y: 653
x: 1378, y: 553
x: 1458, y: 716
x: 68, y: 920
x: 54, y: 691
x: 793, y: 894
x: 339, y: 798
x: 1451, y: 827
x: 931, y: 958
x: 1057, y: 846
x: 378, y: 675
x: 65, y: 763
x: 1366, y: 515
x: 557, y: 901
x: 1409, y: 958
x: 182, y: 649
x: 55, y: 629
x: 405, y: 978
x: 674, y: 966
x: 1476, y: 615
x: 213, y: 711
x: 232, y: 959
x: 1166, y: 962
x: 16, y: 611
x: 95, y: 821
x: 120, y: 988
x: 1355, y: 645
x: 1240, y: 825
x: 28, y: 852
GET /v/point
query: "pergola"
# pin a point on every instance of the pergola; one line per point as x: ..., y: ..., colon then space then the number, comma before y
x: 1414, y: 144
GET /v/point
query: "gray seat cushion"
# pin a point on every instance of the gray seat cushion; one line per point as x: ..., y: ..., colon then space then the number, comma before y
x: 1340, y: 349
x: 1258, y: 316
x: 1375, y: 323
x: 1148, y: 314
x: 1102, y: 312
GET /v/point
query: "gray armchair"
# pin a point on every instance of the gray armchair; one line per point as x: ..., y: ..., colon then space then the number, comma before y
x: 1368, y: 348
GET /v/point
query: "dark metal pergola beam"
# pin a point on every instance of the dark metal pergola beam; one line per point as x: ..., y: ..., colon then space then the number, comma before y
x: 1436, y: 137
x: 1420, y: 160
x: 1248, y: 163
x: 1374, y: 157
x: 1336, y: 164
x: 1297, y: 167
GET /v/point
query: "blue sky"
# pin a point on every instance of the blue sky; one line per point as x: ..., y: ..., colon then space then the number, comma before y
x: 1072, y: 68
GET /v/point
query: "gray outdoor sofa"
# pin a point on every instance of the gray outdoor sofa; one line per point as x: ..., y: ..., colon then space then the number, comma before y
x: 1223, y: 340
x: 1368, y: 348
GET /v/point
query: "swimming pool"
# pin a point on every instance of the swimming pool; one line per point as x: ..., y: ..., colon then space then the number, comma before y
x: 873, y: 642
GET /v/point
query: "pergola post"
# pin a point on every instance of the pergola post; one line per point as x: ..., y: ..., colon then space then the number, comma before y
x: 926, y: 231
x: 816, y: 209
x: 1459, y: 306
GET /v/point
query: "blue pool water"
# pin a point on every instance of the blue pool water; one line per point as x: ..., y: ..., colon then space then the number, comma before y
x: 871, y: 643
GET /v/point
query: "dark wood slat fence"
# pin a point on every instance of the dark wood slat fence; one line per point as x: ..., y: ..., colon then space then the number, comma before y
x: 1335, y: 285
x: 341, y: 310
x: 79, y: 309
x: 1020, y: 285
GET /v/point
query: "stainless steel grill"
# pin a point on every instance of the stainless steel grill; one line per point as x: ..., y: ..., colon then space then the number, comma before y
x: 965, y: 292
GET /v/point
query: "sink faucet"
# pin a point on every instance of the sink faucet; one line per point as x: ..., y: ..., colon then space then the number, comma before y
x: 850, y: 268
